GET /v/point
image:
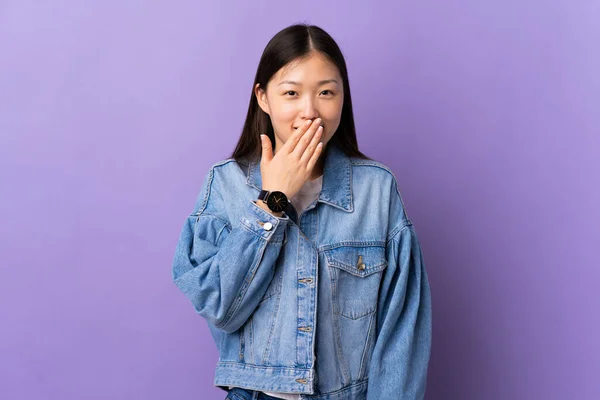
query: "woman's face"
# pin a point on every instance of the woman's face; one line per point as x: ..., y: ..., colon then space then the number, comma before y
x: 304, y: 89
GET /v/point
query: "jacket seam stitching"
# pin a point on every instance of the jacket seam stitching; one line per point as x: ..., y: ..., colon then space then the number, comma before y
x: 352, y: 243
x: 363, y: 362
x: 268, y: 239
x: 240, y: 297
x: 398, y: 230
x: 209, y: 183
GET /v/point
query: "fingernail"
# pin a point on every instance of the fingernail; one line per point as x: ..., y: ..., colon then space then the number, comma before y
x: 262, y: 137
x: 308, y: 122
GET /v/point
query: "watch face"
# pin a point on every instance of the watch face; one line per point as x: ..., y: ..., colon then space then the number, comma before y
x: 277, y: 201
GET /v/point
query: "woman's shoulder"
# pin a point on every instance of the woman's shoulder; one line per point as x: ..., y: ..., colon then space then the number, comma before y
x: 376, y: 177
x: 227, y: 164
x: 228, y: 168
x: 224, y: 179
x: 223, y: 173
x: 370, y: 169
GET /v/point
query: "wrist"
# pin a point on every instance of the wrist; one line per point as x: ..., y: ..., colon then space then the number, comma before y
x: 264, y: 206
x: 273, y: 201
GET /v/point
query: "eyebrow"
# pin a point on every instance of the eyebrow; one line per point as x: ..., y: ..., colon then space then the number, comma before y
x: 299, y: 84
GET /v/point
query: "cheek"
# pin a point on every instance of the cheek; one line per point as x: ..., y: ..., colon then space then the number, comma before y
x: 332, y: 122
x: 333, y: 117
x: 281, y: 118
x: 283, y: 113
x: 333, y: 110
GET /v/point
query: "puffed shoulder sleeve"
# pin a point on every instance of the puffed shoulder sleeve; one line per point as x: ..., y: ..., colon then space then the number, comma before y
x: 398, y: 368
x: 224, y: 268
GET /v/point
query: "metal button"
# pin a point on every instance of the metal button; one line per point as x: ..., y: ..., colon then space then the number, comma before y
x: 268, y: 226
x: 361, y: 265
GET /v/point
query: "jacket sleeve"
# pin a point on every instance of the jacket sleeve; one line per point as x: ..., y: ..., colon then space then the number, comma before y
x: 398, y: 367
x: 225, y: 268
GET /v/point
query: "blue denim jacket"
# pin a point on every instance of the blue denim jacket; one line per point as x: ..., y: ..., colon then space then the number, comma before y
x: 333, y: 303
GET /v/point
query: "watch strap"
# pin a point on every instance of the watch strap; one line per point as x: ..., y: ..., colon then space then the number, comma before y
x: 263, y: 195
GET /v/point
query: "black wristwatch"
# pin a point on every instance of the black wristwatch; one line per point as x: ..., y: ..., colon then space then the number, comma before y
x: 276, y: 201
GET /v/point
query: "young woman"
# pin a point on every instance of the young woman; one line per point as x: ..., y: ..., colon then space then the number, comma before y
x: 299, y: 253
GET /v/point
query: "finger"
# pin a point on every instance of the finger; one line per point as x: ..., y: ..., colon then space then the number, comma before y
x: 267, y: 149
x: 290, y: 144
x: 306, y: 138
x: 315, y: 157
x: 310, y: 149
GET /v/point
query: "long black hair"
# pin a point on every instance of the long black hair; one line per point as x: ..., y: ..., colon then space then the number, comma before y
x: 289, y: 44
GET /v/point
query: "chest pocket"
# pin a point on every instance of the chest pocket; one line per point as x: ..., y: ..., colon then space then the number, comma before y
x: 356, y: 272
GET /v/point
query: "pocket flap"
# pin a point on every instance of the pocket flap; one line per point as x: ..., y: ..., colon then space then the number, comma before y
x: 357, y: 260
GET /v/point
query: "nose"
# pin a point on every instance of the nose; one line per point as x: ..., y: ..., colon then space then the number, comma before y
x: 309, y: 109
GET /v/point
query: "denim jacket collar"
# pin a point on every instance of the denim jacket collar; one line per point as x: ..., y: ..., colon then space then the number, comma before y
x: 337, y: 178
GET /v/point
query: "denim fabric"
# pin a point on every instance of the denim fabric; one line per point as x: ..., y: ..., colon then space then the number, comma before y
x: 333, y: 303
x: 245, y: 394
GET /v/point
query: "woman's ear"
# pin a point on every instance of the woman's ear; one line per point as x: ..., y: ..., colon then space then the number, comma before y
x: 261, y: 96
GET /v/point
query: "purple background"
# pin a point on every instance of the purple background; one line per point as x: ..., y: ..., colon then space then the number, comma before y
x: 111, y: 113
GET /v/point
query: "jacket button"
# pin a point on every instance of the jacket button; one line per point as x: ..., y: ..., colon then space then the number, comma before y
x: 360, y: 265
x: 268, y: 226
